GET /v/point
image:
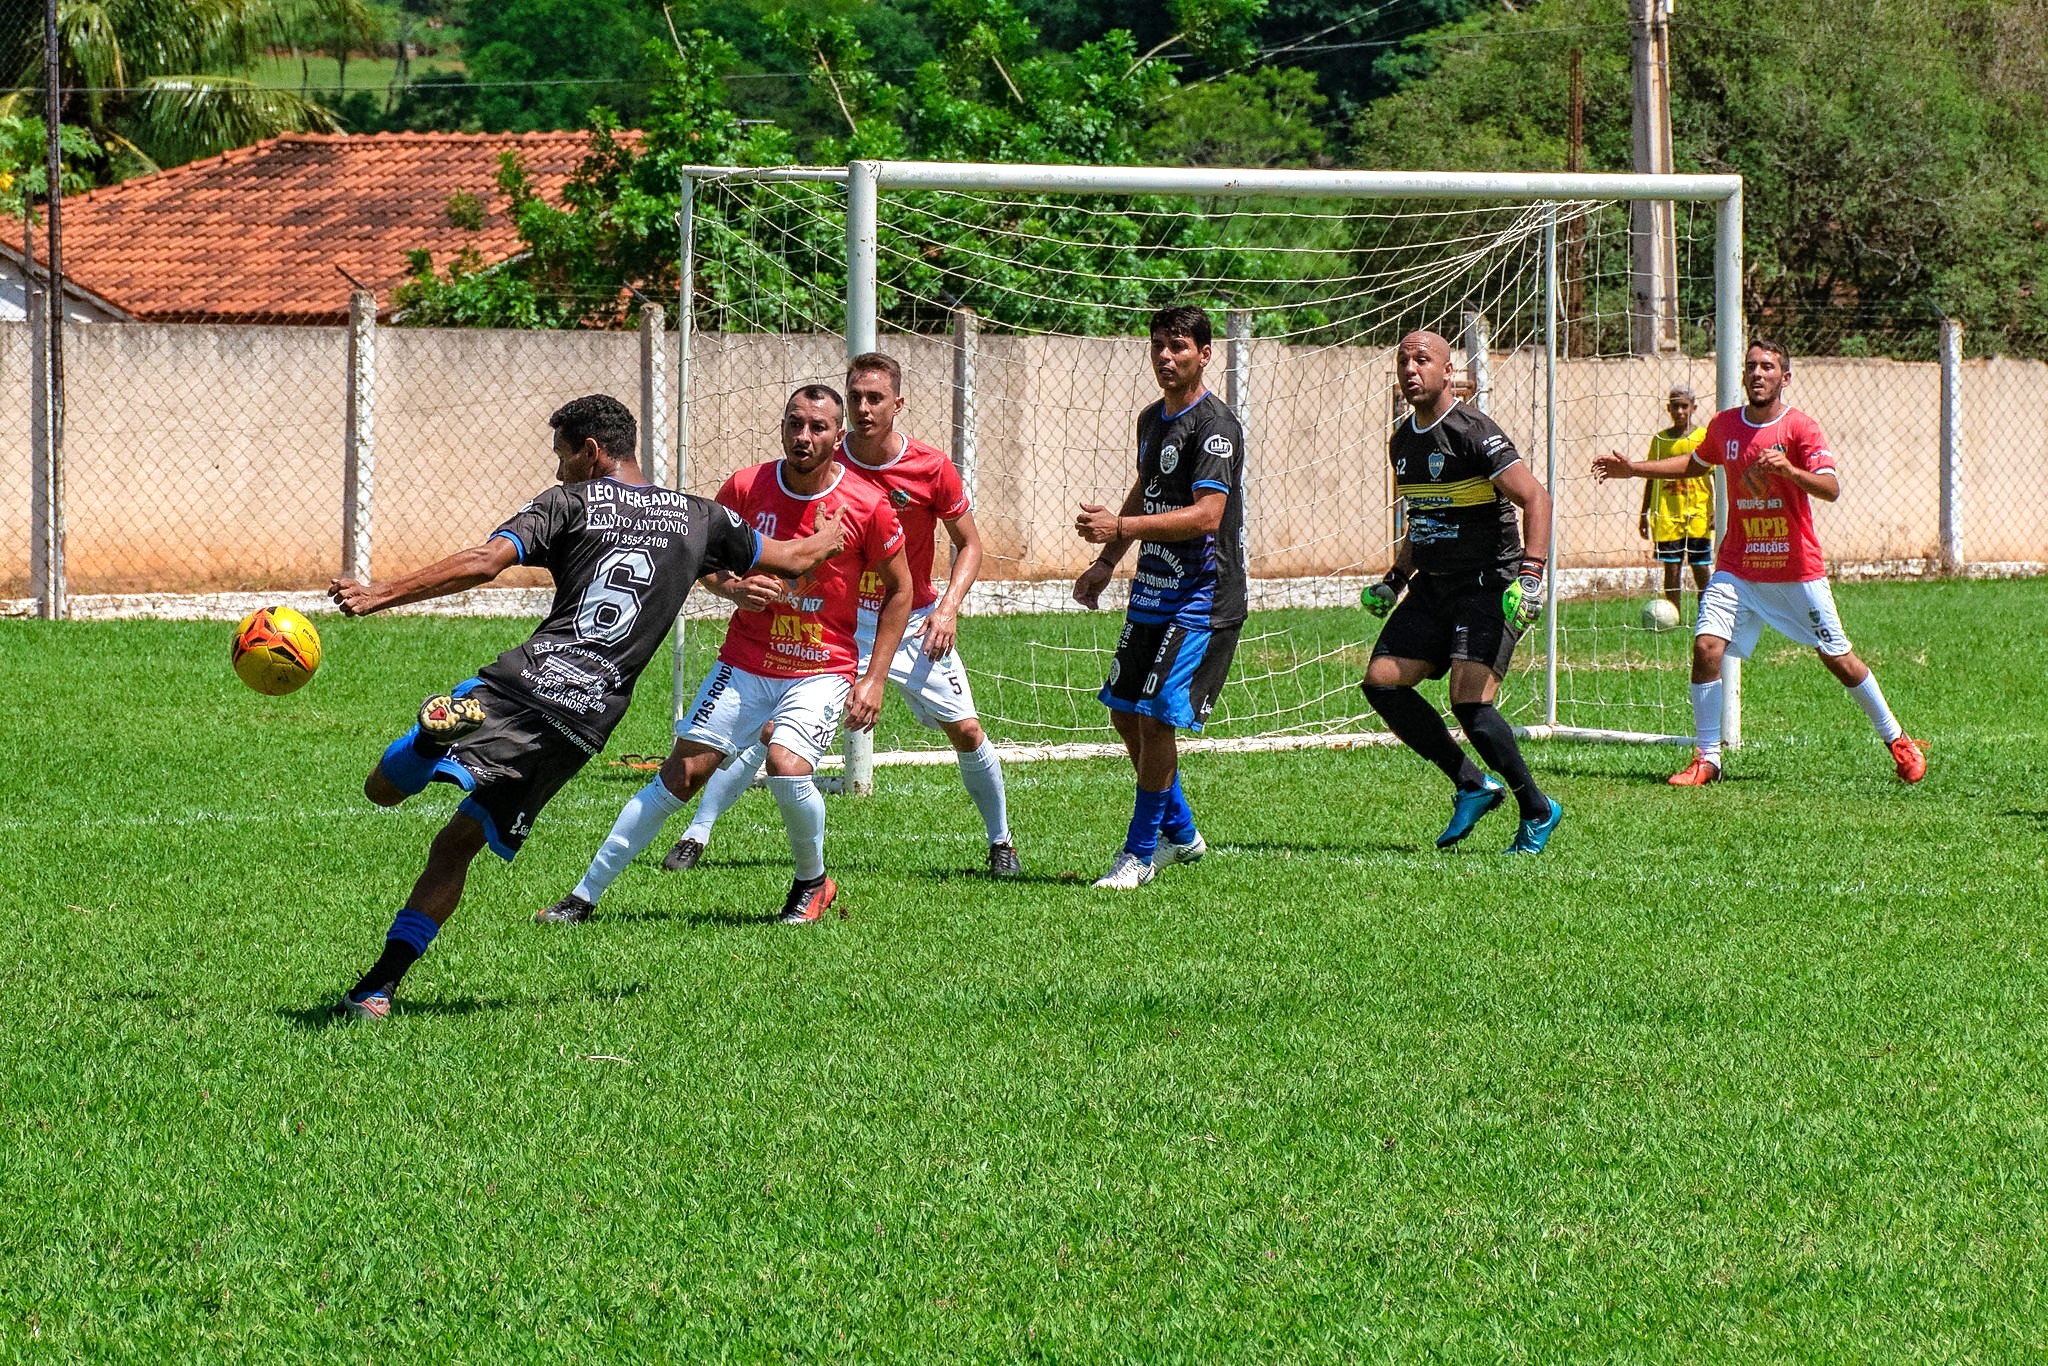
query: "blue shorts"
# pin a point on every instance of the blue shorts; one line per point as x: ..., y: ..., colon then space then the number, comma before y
x: 1169, y: 672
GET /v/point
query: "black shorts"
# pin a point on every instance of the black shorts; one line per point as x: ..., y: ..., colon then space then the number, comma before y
x: 1168, y: 672
x: 1442, y: 619
x: 511, y: 766
x: 1690, y: 550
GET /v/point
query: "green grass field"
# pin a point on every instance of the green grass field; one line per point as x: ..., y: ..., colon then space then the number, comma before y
x: 1753, y: 1072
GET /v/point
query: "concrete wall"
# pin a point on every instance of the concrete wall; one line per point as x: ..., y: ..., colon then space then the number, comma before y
x: 210, y: 457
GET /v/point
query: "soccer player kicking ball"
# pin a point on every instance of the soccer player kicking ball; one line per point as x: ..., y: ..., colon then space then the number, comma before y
x: 925, y: 491
x: 1472, y: 590
x: 624, y: 555
x: 1187, y: 596
x: 1770, y: 571
x: 788, y: 660
x: 1678, y: 514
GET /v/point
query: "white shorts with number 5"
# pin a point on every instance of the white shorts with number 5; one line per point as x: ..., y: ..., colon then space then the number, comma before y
x: 734, y: 704
x: 935, y: 689
x: 1737, y: 610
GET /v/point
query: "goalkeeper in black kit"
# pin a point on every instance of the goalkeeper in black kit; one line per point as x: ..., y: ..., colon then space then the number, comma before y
x: 1472, y: 587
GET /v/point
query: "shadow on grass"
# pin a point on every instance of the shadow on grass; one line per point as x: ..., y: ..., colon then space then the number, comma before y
x: 696, y: 919
x: 2038, y: 819
x: 327, y: 1017
x: 1345, y: 849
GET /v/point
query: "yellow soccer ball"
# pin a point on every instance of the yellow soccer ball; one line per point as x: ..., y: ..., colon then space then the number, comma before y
x: 276, y: 650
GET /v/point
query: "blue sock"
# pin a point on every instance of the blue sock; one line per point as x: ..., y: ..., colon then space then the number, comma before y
x: 1177, y: 822
x: 414, y: 930
x: 1143, y: 839
x: 409, y: 770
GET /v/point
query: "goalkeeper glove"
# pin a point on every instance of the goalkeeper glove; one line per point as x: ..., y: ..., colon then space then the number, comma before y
x: 1522, y: 604
x: 1379, y: 599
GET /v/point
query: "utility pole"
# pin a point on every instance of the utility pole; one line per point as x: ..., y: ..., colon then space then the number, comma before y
x: 1652, y: 236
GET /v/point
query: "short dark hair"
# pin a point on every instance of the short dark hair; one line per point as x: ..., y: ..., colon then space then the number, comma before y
x: 1775, y: 348
x: 600, y: 416
x: 875, y: 362
x: 1183, y: 321
x: 817, y: 393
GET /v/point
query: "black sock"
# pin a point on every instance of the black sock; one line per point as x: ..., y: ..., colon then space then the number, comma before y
x: 428, y: 749
x: 385, y: 974
x: 1494, y: 738
x: 1419, y: 727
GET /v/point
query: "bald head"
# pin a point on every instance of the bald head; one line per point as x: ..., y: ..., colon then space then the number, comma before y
x: 1422, y: 367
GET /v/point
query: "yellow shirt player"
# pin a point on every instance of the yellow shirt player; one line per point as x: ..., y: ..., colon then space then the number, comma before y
x: 1678, y: 514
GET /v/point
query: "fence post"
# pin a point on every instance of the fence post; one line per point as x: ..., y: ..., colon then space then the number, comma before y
x: 686, y: 288
x: 1951, y: 446
x: 46, y: 470
x: 1479, y: 357
x: 653, y: 393
x: 359, y: 446
x: 966, y: 415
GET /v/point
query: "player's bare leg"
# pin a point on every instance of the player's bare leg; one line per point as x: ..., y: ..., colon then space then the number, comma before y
x: 981, y: 773
x: 1671, y: 591
x: 434, y: 898
x: 688, y: 766
x: 725, y: 787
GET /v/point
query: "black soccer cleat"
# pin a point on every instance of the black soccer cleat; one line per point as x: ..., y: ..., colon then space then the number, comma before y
x: 570, y: 910
x: 807, y: 905
x: 445, y: 719
x: 683, y: 857
x: 1003, y: 860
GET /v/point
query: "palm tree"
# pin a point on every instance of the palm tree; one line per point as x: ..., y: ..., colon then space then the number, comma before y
x: 152, y: 79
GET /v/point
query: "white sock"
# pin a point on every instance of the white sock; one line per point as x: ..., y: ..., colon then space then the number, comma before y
x: 635, y: 829
x: 1872, y: 701
x: 982, y: 773
x: 725, y: 787
x: 1706, y: 720
x: 803, y: 816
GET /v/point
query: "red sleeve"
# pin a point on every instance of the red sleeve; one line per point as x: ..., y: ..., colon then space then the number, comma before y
x: 1709, y: 451
x: 729, y: 495
x: 1814, y: 455
x: 949, y: 495
x: 884, y: 533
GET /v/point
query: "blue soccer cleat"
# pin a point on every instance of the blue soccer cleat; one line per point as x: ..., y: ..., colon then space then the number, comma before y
x: 1467, y: 808
x: 1531, y: 836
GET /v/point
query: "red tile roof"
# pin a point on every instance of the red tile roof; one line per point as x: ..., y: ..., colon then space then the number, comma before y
x: 254, y: 235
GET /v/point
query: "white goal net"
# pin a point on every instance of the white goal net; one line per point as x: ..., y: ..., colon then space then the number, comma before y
x: 1020, y: 316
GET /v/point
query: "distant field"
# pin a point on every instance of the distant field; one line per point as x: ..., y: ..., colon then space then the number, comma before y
x: 1754, y: 1072
x: 323, y: 76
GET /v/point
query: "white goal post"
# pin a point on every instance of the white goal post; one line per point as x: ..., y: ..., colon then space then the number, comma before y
x: 866, y: 183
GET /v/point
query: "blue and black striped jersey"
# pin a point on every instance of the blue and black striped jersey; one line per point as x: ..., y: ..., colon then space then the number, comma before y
x: 1200, y: 581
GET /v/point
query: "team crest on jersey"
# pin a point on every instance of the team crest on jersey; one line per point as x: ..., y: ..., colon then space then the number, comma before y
x: 1218, y: 445
x: 1169, y: 459
x: 1436, y: 464
x: 899, y: 499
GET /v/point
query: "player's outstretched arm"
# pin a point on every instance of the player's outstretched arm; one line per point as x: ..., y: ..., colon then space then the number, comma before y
x: 942, y: 627
x: 464, y: 569
x: 864, y: 705
x: 794, y: 559
x: 1615, y: 465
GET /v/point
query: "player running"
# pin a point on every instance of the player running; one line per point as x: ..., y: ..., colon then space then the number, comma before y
x: 1188, y: 594
x: 1770, y: 571
x: 624, y: 554
x: 788, y: 662
x: 922, y: 486
x: 1472, y: 588
x: 1678, y: 514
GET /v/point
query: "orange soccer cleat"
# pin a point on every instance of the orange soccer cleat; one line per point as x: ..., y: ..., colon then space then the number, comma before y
x: 807, y: 905
x: 1910, y: 756
x: 1698, y: 773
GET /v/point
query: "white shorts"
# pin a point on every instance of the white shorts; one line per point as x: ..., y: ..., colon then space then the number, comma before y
x: 936, y: 690
x: 734, y: 704
x: 1737, y: 610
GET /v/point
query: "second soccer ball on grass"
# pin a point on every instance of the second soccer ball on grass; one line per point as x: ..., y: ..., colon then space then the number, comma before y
x: 1659, y: 615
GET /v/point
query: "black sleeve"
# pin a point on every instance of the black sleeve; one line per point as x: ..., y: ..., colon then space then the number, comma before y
x: 1491, y: 445
x: 537, y: 527
x: 729, y: 543
x: 1221, y: 443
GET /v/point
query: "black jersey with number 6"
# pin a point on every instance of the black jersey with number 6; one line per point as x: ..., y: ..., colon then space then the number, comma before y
x: 624, y: 557
x: 1458, y: 521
